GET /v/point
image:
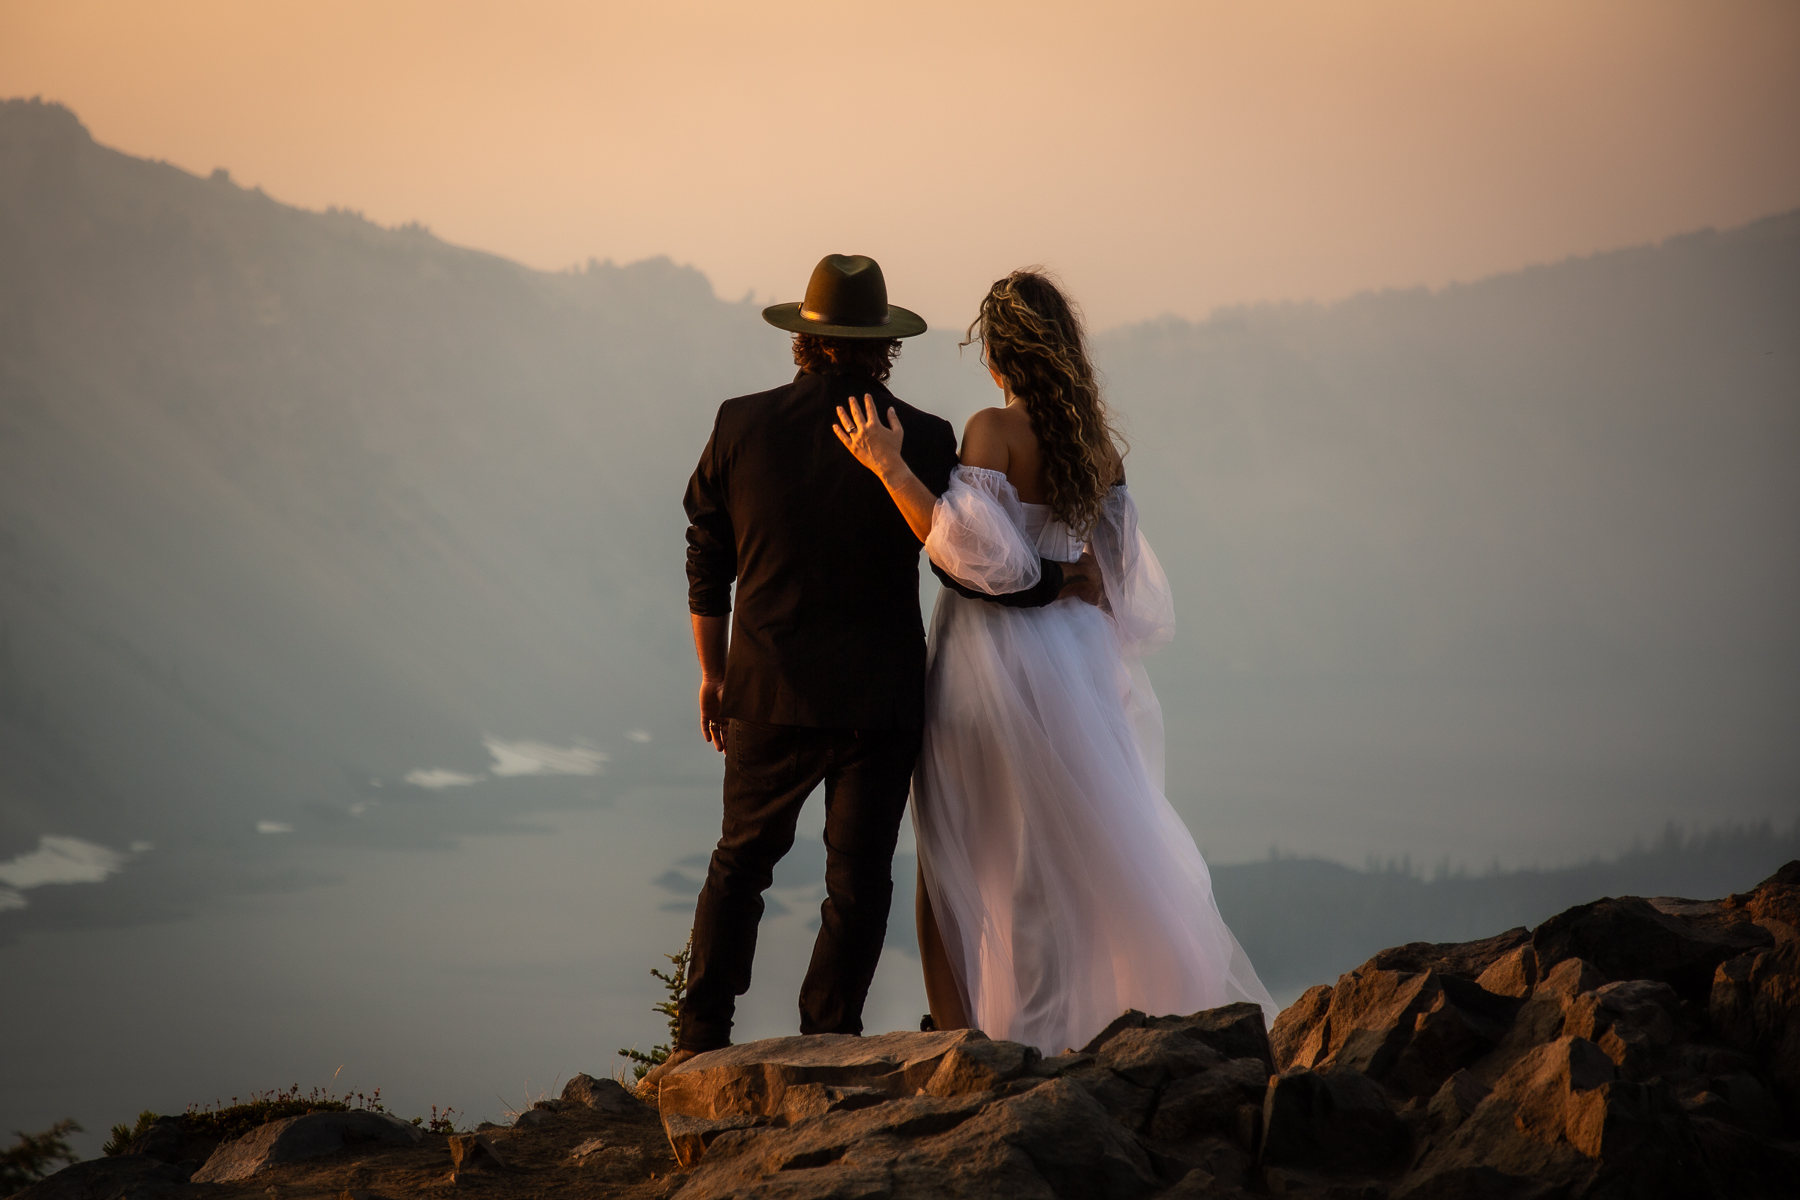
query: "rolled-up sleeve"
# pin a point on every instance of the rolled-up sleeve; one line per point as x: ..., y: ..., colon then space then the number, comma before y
x: 711, y: 541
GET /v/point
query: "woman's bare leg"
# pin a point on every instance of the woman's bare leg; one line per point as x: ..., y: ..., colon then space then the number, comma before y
x: 941, y: 988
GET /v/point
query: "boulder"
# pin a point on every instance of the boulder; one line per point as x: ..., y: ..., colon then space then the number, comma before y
x: 1124, y: 1101
x: 1562, y: 1122
x: 1299, y: 1031
x: 1632, y: 1021
x: 1455, y: 1102
x: 745, y: 1086
x: 1213, y: 1103
x: 1234, y: 1030
x: 170, y: 1140
x: 1754, y: 1002
x: 474, y: 1152
x: 1512, y: 974
x: 1050, y: 1140
x: 1540, y: 1019
x: 601, y: 1095
x: 1459, y: 960
x: 121, y: 1177
x: 296, y: 1138
x: 982, y: 1067
x: 1677, y: 942
x: 1150, y: 1058
x: 1340, y: 1122
x: 1409, y: 1030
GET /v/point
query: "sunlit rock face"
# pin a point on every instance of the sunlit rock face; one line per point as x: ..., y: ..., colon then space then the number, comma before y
x: 1408, y: 1077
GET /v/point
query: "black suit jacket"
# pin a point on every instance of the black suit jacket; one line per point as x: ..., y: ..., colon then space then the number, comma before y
x: 826, y: 631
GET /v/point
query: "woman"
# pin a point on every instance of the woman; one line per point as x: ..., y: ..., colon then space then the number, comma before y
x: 1059, y: 886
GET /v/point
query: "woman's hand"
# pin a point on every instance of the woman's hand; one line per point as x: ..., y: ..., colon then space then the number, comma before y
x: 876, y: 445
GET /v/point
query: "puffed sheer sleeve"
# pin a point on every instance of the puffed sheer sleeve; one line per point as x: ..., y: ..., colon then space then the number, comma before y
x: 1137, y: 591
x: 976, y: 534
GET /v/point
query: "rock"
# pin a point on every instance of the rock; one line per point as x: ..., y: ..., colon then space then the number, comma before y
x: 745, y: 1086
x: 1632, y: 1021
x: 1125, y: 1102
x: 1216, y: 1169
x: 1051, y: 1140
x: 1561, y: 1121
x: 1407, y: 1030
x: 591, y: 1146
x: 1149, y: 1058
x: 1340, y: 1122
x: 1131, y: 1018
x: 1680, y: 943
x: 1211, y: 1103
x: 121, y: 1177
x: 1234, y: 1030
x: 1454, y: 1102
x: 1509, y: 1067
x: 1541, y: 1018
x: 473, y: 1152
x: 534, y: 1118
x: 1459, y: 960
x: 1512, y: 974
x: 1299, y: 1032
x: 981, y: 1067
x: 1754, y: 1002
x: 601, y: 1095
x: 296, y: 1138
x: 1050, y: 1068
x: 1560, y: 1093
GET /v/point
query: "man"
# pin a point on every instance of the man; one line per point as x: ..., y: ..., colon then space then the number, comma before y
x: 822, y: 677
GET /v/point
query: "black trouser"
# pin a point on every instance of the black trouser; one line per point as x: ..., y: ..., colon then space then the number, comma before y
x: 769, y: 771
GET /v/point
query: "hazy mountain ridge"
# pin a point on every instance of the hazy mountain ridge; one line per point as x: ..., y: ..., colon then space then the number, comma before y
x: 251, y: 444
x: 290, y: 503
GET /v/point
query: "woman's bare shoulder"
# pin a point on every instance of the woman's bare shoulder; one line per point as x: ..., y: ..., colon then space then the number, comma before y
x: 987, y: 441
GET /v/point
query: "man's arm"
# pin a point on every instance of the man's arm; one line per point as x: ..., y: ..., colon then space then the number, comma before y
x: 711, y: 568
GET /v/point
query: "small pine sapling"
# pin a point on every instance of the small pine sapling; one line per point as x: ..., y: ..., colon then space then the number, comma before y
x: 674, y: 983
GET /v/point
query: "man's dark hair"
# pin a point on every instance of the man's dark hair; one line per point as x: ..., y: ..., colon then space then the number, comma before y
x: 818, y: 355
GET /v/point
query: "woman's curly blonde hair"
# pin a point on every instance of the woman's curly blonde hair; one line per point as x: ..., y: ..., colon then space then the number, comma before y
x: 1033, y: 337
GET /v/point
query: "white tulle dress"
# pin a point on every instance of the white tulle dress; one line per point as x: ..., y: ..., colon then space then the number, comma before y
x: 1066, y: 888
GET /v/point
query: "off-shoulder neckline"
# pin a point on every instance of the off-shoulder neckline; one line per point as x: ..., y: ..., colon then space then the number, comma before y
x: 1001, y: 476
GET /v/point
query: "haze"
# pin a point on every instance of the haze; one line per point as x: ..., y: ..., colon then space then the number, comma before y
x: 1166, y: 158
x: 346, y: 689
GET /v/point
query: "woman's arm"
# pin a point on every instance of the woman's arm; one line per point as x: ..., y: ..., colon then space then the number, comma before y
x: 876, y: 446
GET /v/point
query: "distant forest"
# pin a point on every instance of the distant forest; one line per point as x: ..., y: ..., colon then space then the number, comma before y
x: 1304, y: 920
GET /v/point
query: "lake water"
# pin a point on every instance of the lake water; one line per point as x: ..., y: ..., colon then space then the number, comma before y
x: 479, y: 976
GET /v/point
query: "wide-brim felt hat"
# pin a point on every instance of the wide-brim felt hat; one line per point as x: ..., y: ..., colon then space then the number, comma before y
x: 846, y: 297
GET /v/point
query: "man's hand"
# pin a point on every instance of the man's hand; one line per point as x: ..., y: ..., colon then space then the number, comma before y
x: 1081, y: 579
x: 712, y: 728
x: 711, y: 641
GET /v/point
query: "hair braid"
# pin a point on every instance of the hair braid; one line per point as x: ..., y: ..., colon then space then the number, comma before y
x: 1033, y: 337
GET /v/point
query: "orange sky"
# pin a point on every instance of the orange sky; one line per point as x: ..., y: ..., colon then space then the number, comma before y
x: 1164, y: 157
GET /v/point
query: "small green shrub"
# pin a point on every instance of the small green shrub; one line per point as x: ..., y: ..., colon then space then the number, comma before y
x: 674, y: 983
x: 123, y: 1135
x: 29, y: 1161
